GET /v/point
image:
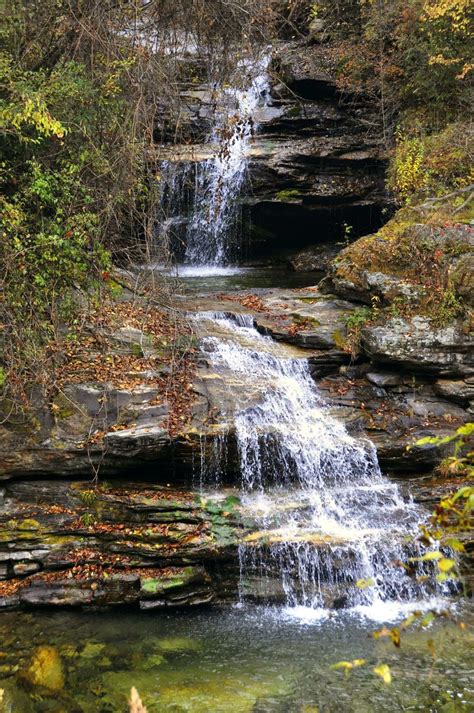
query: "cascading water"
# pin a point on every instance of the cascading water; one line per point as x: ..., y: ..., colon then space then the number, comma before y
x: 331, y: 528
x: 210, y: 206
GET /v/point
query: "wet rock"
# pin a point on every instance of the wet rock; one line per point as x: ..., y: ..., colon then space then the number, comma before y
x: 393, y: 418
x: 384, y: 379
x: 314, y: 258
x: 13, y: 699
x: 189, y: 585
x: 46, y: 669
x: 139, y: 545
x: 178, y: 644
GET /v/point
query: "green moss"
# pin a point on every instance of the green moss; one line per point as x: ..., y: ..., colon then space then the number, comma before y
x: 293, y: 112
x: 305, y: 319
x: 153, y: 585
x: 115, y: 289
x: 447, y: 310
x: 88, y: 497
x: 339, y: 340
x: 288, y: 196
x: 28, y: 524
x: 178, y: 644
x: 62, y: 407
x: 359, y: 318
x: 92, y: 649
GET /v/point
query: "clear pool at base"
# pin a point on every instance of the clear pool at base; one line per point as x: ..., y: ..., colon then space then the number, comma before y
x: 236, y: 660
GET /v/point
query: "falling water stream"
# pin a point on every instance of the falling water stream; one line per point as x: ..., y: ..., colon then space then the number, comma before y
x: 200, y: 198
x: 331, y: 529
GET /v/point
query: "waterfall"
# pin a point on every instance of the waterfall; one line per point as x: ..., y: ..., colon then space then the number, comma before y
x: 330, y: 527
x: 211, y: 236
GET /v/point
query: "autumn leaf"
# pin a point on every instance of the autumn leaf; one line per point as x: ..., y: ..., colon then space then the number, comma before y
x: 348, y: 666
x: 384, y: 672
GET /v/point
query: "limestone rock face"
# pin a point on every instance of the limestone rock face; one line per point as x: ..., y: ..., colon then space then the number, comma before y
x: 141, y: 545
x: 403, y: 262
x: 419, y: 275
x: 415, y: 344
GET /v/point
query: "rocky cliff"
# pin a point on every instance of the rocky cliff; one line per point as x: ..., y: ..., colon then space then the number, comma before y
x: 387, y: 335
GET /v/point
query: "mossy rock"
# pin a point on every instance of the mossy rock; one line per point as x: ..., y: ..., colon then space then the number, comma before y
x: 288, y: 196
x: 62, y: 407
x: 13, y: 699
x: 176, y: 645
x: 92, y: 650
x: 45, y: 670
x: 28, y: 525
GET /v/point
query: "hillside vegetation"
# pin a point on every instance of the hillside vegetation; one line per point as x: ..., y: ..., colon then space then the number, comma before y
x: 88, y: 87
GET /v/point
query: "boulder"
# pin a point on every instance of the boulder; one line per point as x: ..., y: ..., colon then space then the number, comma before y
x: 406, y: 262
x: 46, y: 669
x: 416, y: 346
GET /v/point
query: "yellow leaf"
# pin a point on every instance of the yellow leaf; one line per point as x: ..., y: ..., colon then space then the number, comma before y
x: 364, y: 583
x: 445, y: 564
x: 348, y: 665
x: 384, y: 672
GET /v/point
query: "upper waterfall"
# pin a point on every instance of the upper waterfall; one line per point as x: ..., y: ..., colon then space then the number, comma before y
x: 202, y: 196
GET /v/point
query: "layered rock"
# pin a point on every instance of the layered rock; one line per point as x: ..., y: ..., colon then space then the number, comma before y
x: 394, y: 407
x: 70, y: 544
x: 393, y: 379
x: 316, y: 166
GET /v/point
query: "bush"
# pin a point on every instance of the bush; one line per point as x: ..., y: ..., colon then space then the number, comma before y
x: 432, y: 165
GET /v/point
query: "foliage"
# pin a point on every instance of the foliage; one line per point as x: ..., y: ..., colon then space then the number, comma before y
x: 84, y: 99
x: 461, y: 462
x: 432, y: 165
x: 415, y: 53
x: 358, y: 318
x: 356, y: 321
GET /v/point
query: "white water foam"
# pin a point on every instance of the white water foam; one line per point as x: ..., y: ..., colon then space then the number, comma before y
x: 198, y: 270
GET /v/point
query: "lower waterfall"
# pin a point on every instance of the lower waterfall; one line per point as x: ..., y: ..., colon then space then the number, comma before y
x: 331, y: 530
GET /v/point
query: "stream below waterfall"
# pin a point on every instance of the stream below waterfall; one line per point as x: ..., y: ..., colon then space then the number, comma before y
x: 240, y: 660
